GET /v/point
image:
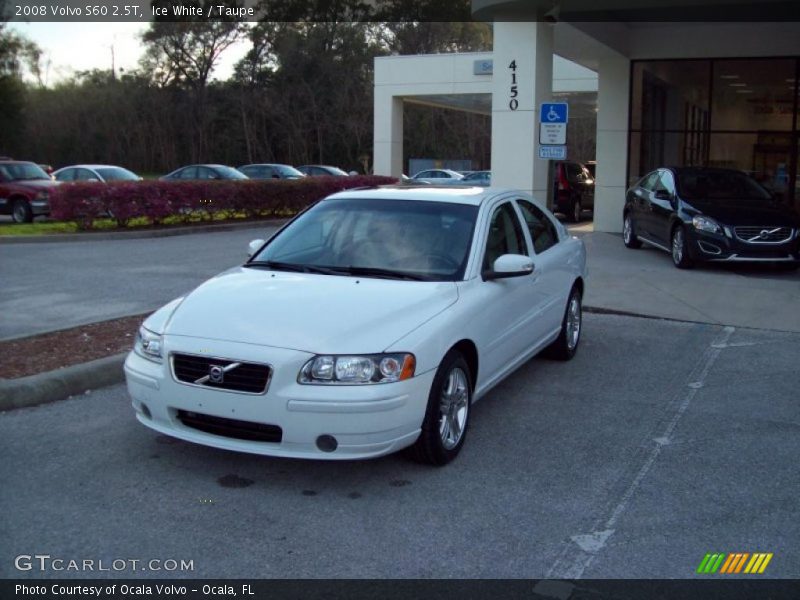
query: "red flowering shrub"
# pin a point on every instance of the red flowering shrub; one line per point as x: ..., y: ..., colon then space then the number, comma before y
x: 156, y: 200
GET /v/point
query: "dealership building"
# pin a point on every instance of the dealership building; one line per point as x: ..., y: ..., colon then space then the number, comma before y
x: 666, y: 93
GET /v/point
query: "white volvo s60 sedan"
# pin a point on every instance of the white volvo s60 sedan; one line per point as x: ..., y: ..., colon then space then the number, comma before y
x: 369, y: 323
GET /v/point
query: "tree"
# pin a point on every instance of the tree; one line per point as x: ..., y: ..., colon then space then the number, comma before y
x: 182, y: 55
x: 16, y: 52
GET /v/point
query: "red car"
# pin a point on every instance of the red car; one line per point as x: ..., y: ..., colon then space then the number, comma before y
x: 24, y: 190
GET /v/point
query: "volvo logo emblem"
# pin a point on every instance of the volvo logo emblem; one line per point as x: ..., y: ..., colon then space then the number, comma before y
x: 216, y: 374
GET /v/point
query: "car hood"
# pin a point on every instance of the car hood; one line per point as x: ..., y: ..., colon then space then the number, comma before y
x: 321, y: 314
x: 738, y: 213
x: 39, y: 184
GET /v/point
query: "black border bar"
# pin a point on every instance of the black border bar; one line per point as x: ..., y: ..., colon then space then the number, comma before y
x: 575, y: 11
x: 720, y: 588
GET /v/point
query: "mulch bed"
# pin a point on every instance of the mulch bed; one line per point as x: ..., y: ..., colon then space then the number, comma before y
x: 50, y: 351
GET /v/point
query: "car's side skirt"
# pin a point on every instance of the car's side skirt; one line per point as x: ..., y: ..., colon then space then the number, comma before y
x: 486, y: 386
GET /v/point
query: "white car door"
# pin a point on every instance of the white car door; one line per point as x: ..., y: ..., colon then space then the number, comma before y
x: 551, y: 280
x: 503, y: 306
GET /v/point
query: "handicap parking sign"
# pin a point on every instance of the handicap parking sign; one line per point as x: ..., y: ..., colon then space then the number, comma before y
x: 554, y: 112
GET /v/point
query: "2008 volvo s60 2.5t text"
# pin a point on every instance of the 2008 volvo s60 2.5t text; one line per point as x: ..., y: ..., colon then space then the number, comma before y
x: 367, y: 324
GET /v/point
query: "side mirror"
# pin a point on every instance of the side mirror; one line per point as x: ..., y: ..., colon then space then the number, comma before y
x: 509, y: 265
x: 253, y: 247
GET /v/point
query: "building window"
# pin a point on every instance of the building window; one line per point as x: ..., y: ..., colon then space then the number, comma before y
x: 739, y: 114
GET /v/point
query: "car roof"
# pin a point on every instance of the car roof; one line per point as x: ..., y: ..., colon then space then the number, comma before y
x: 438, y: 169
x: 92, y: 167
x: 266, y: 165
x: 473, y: 195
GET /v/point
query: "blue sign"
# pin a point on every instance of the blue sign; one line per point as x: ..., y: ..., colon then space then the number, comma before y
x: 553, y: 152
x: 554, y: 112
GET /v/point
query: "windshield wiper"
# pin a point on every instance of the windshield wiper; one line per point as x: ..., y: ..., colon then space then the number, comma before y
x: 382, y: 273
x: 293, y: 267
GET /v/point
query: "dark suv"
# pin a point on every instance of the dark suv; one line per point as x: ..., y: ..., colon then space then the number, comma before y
x: 573, y: 189
x: 24, y: 190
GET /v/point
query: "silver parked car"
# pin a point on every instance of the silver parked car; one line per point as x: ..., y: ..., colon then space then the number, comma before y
x: 439, y: 176
x: 103, y: 173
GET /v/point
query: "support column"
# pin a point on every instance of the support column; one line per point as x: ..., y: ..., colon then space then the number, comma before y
x: 388, y: 132
x: 612, y: 142
x: 515, y: 161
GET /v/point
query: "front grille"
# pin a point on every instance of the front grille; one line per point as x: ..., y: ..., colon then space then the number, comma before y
x: 232, y: 428
x: 235, y: 376
x: 764, y: 235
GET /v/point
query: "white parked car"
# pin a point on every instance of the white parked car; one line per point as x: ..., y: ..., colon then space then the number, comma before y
x: 104, y: 173
x: 367, y: 324
x: 437, y: 176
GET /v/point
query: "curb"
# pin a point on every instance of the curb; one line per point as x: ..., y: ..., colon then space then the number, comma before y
x: 52, y: 386
x: 49, y: 238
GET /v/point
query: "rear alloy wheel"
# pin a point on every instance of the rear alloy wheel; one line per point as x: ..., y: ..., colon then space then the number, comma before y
x: 576, y: 212
x: 444, y: 427
x: 21, y: 211
x: 679, y: 245
x: 629, y: 234
x: 566, y: 344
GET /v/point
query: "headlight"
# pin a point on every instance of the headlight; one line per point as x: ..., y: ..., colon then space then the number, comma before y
x: 42, y: 195
x: 706, y: 224
x: 370, y: 368
x: 148, y: 345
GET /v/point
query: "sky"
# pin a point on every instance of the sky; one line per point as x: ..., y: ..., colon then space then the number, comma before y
x: 72, y: 47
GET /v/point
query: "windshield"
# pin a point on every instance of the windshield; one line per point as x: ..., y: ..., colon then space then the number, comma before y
x: 334, y: 171
x: 719, y: 184
x: 22, y: 171
x: 230, y: 173
x: 380, y: 238
x: 117, y: 174
x: 479, y: 175
x: 288, y: 171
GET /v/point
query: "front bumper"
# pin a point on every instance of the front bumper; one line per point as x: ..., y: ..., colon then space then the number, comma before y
x: 40, y: 207
x: 365, y: 420
x: 727, y: 247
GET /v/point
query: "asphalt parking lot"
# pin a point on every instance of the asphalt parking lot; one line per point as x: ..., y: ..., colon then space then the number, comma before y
x: 661, y: 441
x: 56, y: 285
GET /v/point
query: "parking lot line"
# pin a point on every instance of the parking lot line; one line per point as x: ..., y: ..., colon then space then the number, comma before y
x: 578, y: 554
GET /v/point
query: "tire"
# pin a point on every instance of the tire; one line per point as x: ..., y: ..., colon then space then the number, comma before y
x: 566, y: 344
x: 680, y: 249
x: 21, y: 211
x: 629, y: 234
x: 575, y: 211
x: 449, y: 403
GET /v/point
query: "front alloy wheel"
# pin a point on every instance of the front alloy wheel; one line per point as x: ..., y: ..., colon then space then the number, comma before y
x: 444, y: 426
x: 628, y: 234
x: 566, y: 344
x: 680, y: 255
x: 453, y: 408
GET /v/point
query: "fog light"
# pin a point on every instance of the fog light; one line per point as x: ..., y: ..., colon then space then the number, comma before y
x: 327, y: 443
x: 710, y: 248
